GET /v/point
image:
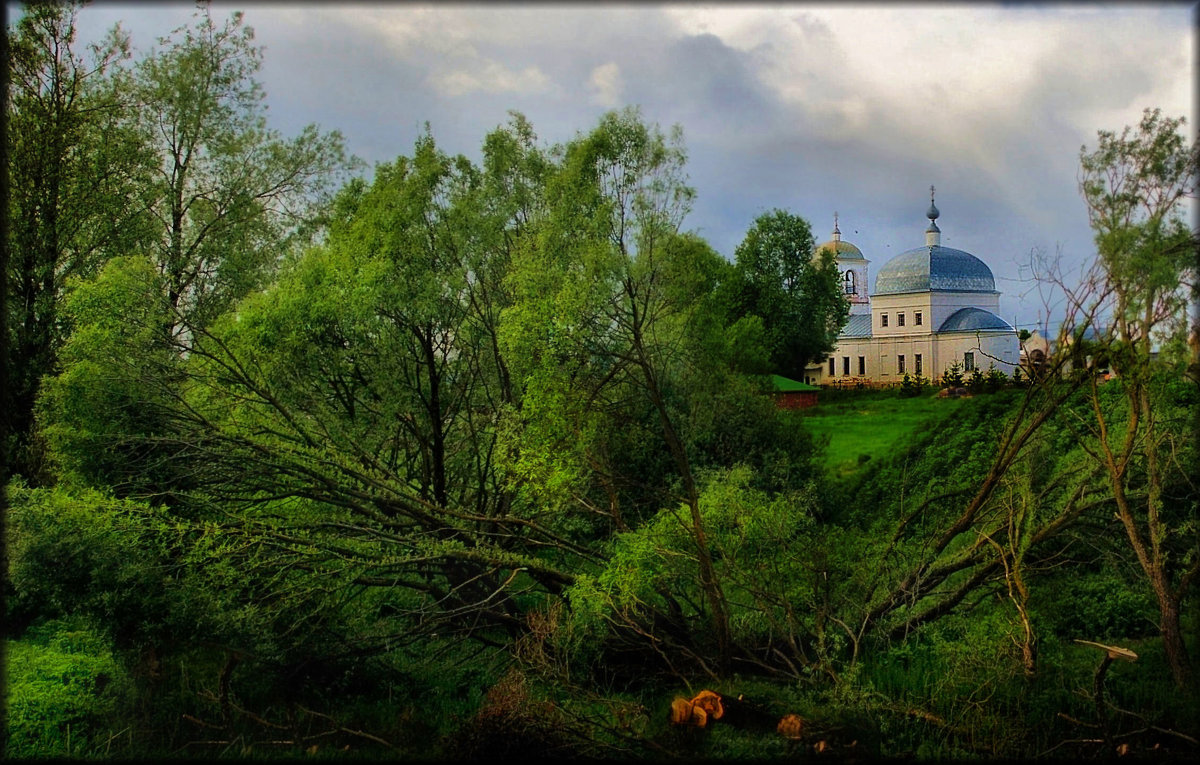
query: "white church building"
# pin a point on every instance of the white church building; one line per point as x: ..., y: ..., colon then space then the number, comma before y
x: 932, y: 306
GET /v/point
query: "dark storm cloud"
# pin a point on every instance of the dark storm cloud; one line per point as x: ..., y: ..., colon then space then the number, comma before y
x: 708, y: 84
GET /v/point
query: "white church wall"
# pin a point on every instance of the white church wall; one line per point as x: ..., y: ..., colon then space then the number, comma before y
x: 881, y: 360
x: 907, y: 305
x: 881, y: 356
x: 999, y: 348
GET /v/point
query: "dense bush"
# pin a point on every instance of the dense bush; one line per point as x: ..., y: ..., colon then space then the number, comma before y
x: 1100, y: 605
x: 764, y: 548
x: 91, y: 555
x: 953, y: 376
x: 67, y: 696
x: 912, y: 386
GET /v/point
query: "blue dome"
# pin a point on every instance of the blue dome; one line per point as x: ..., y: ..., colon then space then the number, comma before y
x: 934, y: 268
x: 972, y: 319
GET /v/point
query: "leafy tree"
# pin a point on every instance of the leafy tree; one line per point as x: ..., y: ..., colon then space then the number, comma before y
x: 616, y: 319
x: 797, y: 294
x: 72, y: 172
x: 226, y: 193
x: 344, y: 419
x: 103, y: 420
x: 1136, y: 185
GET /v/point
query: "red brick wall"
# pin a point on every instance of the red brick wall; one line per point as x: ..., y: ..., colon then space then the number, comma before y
x: 796, y: 399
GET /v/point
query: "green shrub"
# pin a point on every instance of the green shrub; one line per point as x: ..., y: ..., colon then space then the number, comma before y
x: 1098, y: 606
x: 93, y: 556
x: 953, y: 376
x: 995, y: 379
x: 763, y: 546
x: 976, y: 382
x: 67, y: 696
x: 913, y: 385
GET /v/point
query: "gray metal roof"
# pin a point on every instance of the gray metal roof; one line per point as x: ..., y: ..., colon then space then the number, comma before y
x: 858, y: 325
x: 934, y: 268
x: 973, y: 319
x: 844, y: 250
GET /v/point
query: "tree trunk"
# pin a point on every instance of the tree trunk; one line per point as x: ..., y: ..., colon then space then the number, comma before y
x: 709, y: 583
x: 1172, y: 635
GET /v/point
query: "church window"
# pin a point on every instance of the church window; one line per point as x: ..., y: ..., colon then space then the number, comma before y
x: 899, y: 320
x: 917, y: 318
x: 831, y: 366
x: 968, y: 362
x: 851, y: 287
x: 900, y: 364
x: 883, y: 319
x: 862, y: 365
x: 917, y: 361
x: 845, y: 365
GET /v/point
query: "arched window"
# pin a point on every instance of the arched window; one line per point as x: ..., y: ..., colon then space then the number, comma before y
x: 851, y: 287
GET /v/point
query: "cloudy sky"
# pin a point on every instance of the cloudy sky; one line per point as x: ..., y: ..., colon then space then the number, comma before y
x: 811, y: 108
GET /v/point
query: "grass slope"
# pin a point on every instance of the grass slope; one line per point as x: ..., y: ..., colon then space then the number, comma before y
x: 869, y: 425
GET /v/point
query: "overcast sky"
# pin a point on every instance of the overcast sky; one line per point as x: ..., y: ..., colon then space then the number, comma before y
x: 810, y: 108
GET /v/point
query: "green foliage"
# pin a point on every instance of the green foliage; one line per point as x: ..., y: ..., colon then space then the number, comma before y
x: 965, y: 673
x: 1102, y: 605
x: 101, y: 416
x: 109, y: 560
x: 953, y: 376
x: 66, y: 695
x: 72, y: 177
x: 624, y: 340
x: 1135, y: 185
x: 226, y: 192
x: 912, y: 386
x: 783, y: 577
x: 799, y: 297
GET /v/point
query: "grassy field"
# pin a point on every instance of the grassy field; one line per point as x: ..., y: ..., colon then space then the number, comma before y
x: 865, y: 426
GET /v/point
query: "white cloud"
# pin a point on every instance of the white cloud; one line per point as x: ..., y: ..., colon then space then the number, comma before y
x: 489, y: 77
x: 606, y: 85
x: 933, y: 72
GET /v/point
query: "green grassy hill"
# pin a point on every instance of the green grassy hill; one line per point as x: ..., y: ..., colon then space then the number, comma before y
x: 870, y: 425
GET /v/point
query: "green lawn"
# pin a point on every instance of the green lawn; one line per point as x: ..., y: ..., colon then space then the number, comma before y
x: 866, y: 426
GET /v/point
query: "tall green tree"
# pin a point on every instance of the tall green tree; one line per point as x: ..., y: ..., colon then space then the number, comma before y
x: 72, y: 179
x: 796, y: 293
x: 227, y: 193
x: 1136, y: 186
x: 346, y: 416
x: 614, y: 323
